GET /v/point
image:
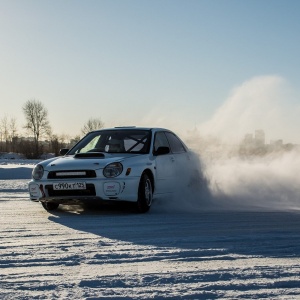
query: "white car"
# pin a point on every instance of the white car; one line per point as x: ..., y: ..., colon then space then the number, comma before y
x: 118, y: 164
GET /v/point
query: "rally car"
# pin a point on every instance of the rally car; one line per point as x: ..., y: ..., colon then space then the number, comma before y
x: 131, y: 164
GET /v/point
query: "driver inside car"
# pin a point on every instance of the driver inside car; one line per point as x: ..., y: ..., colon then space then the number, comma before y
x: 115, y: 146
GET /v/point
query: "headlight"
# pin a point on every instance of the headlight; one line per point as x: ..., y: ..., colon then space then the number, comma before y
x: 113, y: 170
x: 38, y: 172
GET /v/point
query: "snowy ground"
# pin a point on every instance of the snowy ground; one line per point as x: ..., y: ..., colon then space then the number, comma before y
x: 235, y: 250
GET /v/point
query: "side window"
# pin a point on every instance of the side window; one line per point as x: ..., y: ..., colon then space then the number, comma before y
x: 160, y: 141
x: 176, y: 144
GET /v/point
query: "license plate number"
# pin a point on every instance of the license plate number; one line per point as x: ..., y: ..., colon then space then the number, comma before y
x: 69, y: 186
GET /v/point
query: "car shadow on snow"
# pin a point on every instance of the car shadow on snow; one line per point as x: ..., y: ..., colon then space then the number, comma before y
x: 211, y: 232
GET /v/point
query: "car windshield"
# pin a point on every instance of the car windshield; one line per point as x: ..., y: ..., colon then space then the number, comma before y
x: 114, y: 141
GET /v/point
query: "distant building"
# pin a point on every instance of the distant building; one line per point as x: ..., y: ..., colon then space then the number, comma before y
x: 276, y: 145
x: 248, y: 139
x: 259, y: 138
x: 253, y: 145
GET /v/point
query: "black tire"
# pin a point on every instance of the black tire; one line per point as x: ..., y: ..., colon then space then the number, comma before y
x: 50, y: 205
x: 145, y: 194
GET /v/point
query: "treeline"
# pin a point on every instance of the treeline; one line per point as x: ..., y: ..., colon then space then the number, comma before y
x: 39, y: 138
x: 27, y: 146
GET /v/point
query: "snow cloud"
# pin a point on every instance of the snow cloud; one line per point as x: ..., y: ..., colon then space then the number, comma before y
x: 265, y: 102
x: 258, y: 181
x: 267, y: 183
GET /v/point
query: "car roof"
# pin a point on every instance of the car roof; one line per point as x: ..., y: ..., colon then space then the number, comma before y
x: 133, y: 128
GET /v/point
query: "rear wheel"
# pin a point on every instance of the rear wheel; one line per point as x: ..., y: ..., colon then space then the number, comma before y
x: 145, y: 194
x: 50, y: 205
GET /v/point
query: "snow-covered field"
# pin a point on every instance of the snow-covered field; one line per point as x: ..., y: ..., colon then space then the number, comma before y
x: 241, y: 243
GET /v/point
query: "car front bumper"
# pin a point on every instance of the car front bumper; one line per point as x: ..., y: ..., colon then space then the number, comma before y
x: 123, y: 189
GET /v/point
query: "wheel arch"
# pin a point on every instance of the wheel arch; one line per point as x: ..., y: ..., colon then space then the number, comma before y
x: 151, y: 177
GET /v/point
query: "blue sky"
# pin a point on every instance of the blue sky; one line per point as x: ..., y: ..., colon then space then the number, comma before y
x: 165, y: 63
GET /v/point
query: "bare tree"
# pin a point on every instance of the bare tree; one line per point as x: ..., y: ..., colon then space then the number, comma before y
x: 13, y: 133
x: 8, y: 133
x: 37, y: 122
x: 4, y: 132
x: 92, y: 124
x: 58, y: 142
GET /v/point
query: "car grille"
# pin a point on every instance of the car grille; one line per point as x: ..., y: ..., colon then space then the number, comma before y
x: 72, y: 174
x: 89, y: 191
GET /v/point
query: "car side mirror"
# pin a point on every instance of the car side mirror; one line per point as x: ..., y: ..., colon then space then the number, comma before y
x: 162, y: 151
x: 63, y: 151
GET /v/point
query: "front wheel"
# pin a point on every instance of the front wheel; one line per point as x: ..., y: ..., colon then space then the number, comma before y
x: 50, y: 205
x: 145, y: 194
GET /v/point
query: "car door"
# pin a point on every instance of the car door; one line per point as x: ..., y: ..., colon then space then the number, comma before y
x: 164, y: 164
x: 181, y: 159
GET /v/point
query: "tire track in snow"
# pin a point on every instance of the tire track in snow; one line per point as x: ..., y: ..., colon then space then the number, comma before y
x: 108, y: 253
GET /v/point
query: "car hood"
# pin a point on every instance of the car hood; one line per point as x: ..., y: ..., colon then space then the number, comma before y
x: 75, y: 163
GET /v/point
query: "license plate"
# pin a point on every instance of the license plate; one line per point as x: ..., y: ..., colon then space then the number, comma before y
x: 69, y: 186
